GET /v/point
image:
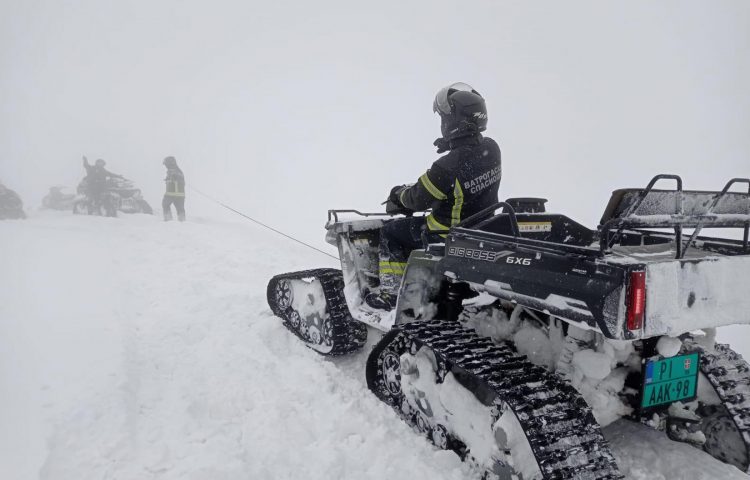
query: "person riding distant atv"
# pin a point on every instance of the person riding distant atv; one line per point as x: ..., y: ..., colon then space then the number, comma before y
x: 11, y: 206
x: 96, y: 185
x: 96, y: 174
x: 459, y: 184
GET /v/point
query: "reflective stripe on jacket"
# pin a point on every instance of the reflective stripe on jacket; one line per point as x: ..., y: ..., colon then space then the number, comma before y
x: 175, y: 183
x: 459, y: 184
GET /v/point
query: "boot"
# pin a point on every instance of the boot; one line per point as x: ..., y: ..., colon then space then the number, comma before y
x: 167, y: 215
x: 381, y: 300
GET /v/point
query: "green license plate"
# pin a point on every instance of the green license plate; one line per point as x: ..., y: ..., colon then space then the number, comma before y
x: 667, y: 380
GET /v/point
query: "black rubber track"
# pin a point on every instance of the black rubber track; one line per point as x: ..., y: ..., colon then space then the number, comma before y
x: 348, y: 334
x: 729, y: 374
x: 559, y: 425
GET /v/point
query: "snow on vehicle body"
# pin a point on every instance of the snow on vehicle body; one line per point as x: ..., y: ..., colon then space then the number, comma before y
x: 565, y: 328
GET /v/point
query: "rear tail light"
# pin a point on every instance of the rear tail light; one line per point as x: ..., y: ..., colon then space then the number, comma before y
x: 636, y: 300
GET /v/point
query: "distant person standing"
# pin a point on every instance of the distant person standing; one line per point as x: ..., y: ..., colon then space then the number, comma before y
x: 175, y: 193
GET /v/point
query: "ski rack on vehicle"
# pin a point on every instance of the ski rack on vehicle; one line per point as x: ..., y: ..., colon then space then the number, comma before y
x: 677, y: 209
x: 336, y: 224
x: 334, y: 214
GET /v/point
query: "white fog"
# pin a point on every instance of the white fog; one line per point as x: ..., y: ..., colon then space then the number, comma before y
x: 131, y: 348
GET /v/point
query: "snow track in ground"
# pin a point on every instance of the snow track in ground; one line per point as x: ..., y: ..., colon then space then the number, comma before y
x: 645, y: 454
x: 134, y: 349
x: 196, y: 379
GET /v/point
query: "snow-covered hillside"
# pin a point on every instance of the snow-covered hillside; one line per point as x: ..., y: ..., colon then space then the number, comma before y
x: 135, y: 349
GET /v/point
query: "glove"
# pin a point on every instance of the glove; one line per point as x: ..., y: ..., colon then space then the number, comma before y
x: 393, y: 205
x: 392, y: 208
x: 442, y: 145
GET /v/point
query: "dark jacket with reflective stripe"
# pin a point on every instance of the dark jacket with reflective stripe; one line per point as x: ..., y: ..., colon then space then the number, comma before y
x: 175, y: 183
x: 459, y: 184
x: 96, y: 177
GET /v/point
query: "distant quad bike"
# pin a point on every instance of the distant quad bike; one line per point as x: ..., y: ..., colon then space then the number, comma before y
x: 131, y: 199
x: 514, y: 341
x: 120, y: 195
x: 59, y: 198
x: 11, y: 205
x: 104, y: 204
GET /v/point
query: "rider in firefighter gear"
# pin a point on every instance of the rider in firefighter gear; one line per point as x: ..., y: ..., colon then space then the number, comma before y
x: 459, y: 184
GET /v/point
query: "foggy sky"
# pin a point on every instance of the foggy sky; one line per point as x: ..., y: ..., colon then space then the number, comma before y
x: 285, y: 109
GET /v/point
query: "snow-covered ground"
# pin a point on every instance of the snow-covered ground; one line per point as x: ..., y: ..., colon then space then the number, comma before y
x: 135, y: 349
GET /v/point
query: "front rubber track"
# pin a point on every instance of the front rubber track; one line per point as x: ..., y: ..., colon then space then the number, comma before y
x: 347, y: 334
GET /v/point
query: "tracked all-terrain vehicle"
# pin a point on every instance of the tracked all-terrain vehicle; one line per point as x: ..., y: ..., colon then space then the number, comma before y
x: 120, y: 195
x: 522, y: 334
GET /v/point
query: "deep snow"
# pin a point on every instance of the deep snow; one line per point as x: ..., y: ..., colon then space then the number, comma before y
x: 134, y: 349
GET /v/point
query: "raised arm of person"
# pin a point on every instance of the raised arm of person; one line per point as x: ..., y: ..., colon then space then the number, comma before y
x: 87, y: 165
x: 114, y: 175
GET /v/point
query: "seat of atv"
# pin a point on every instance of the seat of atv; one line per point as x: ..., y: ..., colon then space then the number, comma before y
x: 547, y: 227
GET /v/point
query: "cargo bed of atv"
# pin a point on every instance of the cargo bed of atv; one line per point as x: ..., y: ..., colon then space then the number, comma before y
x: 624, y: 279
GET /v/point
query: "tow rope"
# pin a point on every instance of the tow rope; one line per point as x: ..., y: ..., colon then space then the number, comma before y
x: 259, y: 223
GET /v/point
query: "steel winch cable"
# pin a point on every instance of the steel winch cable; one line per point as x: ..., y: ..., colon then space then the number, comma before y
x: 218, y: 202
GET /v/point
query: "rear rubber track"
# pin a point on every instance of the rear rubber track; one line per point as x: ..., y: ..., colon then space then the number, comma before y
x: 729, y: 375
x: 560, y: 427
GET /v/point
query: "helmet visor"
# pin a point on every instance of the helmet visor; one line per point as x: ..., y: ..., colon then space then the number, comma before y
x: 441, y: 104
